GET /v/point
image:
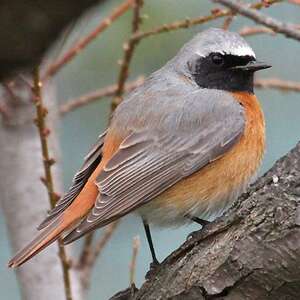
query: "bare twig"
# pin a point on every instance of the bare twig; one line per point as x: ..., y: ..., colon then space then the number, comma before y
x: 44, y: 132
x: 279, y: 84
x: 129, y: 48
x: 89, y: 256
x: 86, y: 251
x: 247, y: 30
x: 216, y: 14
x: 110, y: 229
x: 97, y: 95
x: 132, y: 267
x: 81, y: 44
x: 258, y: 17
x: 228, y: 21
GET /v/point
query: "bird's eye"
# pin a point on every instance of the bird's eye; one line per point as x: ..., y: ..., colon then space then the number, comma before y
x: 217, y: 59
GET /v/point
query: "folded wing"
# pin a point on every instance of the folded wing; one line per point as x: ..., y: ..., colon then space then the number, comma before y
x: 150, y: 161
x: 91, y: 161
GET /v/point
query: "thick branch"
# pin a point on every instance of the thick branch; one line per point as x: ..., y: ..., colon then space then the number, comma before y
x: 252, y: 252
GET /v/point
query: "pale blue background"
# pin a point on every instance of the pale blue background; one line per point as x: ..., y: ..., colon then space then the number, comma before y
x: 97, y: 67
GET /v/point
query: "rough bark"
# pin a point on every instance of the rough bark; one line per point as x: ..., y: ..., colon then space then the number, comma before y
x: 41, y: 23
x: 24, y: 199
x: 252, y: 252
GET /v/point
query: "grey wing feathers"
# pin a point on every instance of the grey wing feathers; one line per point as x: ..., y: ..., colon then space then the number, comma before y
x: 149, y: 162
x: 91, y: 161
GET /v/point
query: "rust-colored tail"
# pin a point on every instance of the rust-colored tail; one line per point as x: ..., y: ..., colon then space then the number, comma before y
x: 50, y: 234
x: 65, y: 221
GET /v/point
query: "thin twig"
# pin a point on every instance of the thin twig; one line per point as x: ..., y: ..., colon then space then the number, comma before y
x: 279, y: 84
x: 110, y: 229
x: 247, y: 30
x: 297, y: 2
x: 86, y: 250
x: 89, y: 256
x: 81, y: 44
x: 259, y: 17
x: 86, y: 255
x: 129, y: 48
x: 132, y: 266
x: 228, y: 21
x: 216, y: 14
x: 44, y: 132
x: 110, y: 90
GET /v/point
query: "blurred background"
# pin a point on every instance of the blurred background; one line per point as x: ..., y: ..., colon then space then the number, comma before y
x: 97, y: 67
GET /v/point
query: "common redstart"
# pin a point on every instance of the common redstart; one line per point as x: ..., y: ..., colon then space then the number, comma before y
x: 179, y: 148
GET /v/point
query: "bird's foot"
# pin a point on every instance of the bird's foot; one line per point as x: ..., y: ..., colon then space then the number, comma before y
x: 153, y: 268
x: 192, y: 235
x: 202, y: 222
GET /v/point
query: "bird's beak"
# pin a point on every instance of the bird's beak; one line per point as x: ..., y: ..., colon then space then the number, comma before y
x: 252, y: 66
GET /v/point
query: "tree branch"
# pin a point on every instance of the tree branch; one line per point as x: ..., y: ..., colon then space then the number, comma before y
x: 182, y: 24
x: 129, y: 48
x: 90, y: 254
x: 96, y: 95
x: 279, y: 84
x: 87, y: 257
x: 26, y: 201
x: 258, y: 17
x: 40, y: 121
x: 132, y: 266
x: 82, y: 43
x: 247, y: 30
x: 252, y: 252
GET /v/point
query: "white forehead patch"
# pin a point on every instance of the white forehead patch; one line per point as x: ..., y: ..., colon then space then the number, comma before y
x: 220, y: 41
x: 241, y: 50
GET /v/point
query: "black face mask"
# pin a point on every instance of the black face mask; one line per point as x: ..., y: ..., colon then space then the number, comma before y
x: 217, y: 71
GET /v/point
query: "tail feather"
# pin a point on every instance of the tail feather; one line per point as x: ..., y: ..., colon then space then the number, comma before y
x: 50, y: 234
x: 63, y: 222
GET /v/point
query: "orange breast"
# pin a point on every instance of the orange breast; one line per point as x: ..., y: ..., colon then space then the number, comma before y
x: 221, y: 181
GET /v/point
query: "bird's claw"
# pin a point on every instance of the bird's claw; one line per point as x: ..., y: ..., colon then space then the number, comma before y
x: 153, y: 268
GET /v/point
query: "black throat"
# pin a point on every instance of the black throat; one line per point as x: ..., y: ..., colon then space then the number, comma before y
x: 209, y: 75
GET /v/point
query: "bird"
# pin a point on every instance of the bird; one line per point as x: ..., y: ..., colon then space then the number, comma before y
x: 179, y: 148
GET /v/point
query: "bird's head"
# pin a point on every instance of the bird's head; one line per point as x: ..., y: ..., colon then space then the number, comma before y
x: 219, y: 59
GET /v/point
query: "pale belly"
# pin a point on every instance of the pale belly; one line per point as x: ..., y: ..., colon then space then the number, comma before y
x: 207, y: 209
